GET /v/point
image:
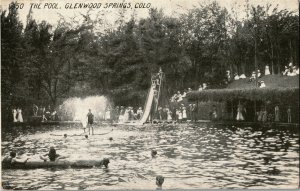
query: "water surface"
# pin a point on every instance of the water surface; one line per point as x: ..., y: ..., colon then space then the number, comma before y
x: 189, y: 157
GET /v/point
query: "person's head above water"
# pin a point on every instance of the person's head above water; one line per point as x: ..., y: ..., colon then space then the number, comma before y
x: 90, y: 110
x: 86, y: 136
x: 65, y: 135
x: 160, y: 180
x: 153, y: 153
x: 12, y: 154
x: 52, y: 154
x: 105, y: 162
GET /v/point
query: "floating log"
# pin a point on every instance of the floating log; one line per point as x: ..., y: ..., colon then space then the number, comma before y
x: 58, y: 164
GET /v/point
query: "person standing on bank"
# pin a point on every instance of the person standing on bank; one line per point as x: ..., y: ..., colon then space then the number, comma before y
x: 289, y: 114
x: 277, y: 114
x: 14, y: 113
x: 90, y: 117
x: 19, y: 115
x: 239, y: 116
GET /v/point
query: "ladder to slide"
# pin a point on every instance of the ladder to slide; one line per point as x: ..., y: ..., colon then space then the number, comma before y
x: 151, y: 95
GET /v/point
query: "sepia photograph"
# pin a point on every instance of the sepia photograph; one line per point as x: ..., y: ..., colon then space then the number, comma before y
x: 149, y: 94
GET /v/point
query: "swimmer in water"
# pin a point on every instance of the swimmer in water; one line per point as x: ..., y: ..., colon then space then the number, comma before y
x: 153, y: 153
x: 86, y: 136
x: 159, y: 182
x: 51, y: 156
x: 65, y: 135
x: 10, y: 161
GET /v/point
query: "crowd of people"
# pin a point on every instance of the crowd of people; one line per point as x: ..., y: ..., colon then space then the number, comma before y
x: 290, y: 70
x: 46, y: 114
x: 121, y: 114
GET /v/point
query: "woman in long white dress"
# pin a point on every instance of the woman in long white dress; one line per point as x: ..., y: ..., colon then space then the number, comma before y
x: 107, y: 114
x: 14, y: 112
x: 20, y: 117
x: 169, y: 115
x: 267, y: 70
x: 184, y: 116
x: 239, y: 116
x: 126, y: 115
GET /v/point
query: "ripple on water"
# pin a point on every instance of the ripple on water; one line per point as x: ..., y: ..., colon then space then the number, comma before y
x: 205, y: 157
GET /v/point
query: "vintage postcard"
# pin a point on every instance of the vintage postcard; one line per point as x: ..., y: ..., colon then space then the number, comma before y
x: 149, y: 94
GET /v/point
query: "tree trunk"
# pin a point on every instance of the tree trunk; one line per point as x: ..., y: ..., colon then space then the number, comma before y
x: 291, y: 51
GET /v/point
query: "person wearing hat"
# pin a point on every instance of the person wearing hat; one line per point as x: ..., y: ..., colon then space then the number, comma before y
x: 204, y: 86
x: 189, y: 90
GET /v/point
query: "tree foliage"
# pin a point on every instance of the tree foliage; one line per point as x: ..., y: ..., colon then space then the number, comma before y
x: 44, y: 64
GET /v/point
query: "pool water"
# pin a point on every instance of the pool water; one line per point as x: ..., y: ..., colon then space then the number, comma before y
x: 202, y: 156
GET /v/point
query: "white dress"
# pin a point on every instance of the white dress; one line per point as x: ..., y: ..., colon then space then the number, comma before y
x: 179, y: 115
x: 267, y: 70
x: 239, y: 116
x: 179, y: 98
x: 15, y: 115
x: 236, y: 77
x: 126, y: 115
x: 107, y: 115
x: 184, y: 116
x: 169, y: 115
x: 20, y: 117
x: 243, y: 76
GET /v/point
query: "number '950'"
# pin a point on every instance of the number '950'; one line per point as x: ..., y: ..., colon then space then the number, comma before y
x: 17, y: 5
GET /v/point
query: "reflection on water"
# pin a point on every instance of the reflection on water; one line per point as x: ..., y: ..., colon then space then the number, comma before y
x: 189, y: 156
